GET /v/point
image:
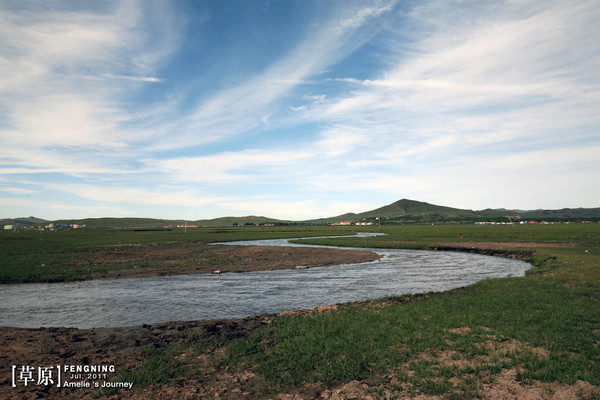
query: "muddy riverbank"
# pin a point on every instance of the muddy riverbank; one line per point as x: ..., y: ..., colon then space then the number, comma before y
x: 202, y: 258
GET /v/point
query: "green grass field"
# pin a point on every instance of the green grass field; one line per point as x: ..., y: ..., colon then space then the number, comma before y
x: 545, y: 326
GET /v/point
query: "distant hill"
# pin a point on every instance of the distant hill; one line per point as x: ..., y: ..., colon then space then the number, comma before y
x: 407, y: 211
x: 405, y: 207
x: 125, y: 223
x: 564, y: 213
x: 400, y: 212
x: 152, y: 223
x: 411, y: 211
x: 28, y: 221
x: 241, y: 221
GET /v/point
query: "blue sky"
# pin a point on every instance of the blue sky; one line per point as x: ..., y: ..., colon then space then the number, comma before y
x: 296, y: 109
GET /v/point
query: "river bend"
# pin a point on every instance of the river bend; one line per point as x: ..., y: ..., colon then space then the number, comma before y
x: 136, y: 301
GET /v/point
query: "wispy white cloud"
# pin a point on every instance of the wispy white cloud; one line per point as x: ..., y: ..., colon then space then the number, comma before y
x: 315, y: 98
x: 522, y: 74
x: 134, y: 78
x: 355, y: 19
x: 235, y: 110
x: 176, y: 197
x: 232, y: 167
x: 18, y: 206
x: 48, y: 101
x: 340, y: 140
x: 16, y: 190
x: 19, y: 158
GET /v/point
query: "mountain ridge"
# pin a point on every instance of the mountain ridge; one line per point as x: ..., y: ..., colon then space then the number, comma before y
x: 401, y: 211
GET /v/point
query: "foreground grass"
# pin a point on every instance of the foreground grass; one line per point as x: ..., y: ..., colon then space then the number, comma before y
x: 545, y: 326
x: 408, y: 341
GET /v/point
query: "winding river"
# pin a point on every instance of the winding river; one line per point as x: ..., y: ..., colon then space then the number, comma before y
x: 136, y: 301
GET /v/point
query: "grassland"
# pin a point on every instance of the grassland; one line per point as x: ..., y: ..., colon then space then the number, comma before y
x: 537, y: 335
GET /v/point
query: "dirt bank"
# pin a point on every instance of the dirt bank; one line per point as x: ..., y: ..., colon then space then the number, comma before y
x: 118, y: 347
x: 202, y: 258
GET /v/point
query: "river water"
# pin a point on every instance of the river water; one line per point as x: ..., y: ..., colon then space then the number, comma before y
x: 136, y: 301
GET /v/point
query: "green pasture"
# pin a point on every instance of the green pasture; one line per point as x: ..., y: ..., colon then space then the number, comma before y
x: 429, y: 236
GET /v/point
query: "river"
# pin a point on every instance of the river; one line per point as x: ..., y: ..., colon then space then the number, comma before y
x: 136, y: 301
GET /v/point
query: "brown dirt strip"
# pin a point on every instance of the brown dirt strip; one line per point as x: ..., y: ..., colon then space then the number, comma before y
x: 202, y: 258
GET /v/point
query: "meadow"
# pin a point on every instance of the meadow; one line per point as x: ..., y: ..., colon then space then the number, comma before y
x: 538, y: 333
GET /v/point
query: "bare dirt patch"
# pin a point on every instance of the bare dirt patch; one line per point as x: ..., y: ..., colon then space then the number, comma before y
x: 460, y: 331
x: 506, y: 386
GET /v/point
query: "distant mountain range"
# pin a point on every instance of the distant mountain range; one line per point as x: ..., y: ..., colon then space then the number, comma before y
x: 400, y: 212
x: 407, y: 211
x: 411, y: 211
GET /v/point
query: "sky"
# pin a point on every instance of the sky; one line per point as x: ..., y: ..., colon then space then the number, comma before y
x: 296, y: 109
